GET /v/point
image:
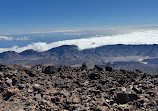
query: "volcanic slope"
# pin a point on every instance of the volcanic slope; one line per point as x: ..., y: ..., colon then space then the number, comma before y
x: 65, y: 88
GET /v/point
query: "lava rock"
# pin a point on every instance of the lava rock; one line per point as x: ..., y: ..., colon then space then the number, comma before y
x: 98, y: 68
x: 108, y: 68
x: 71, y: 88
x: 84, y: 66
x: 7, y: 95
x: 94, y: 76
x: 137, y: 90
x: 123, y: 98
x: 37, y: 87
x: 31, y: 73
x: 50, y: 69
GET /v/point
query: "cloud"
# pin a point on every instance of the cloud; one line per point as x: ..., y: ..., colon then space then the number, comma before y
x: 12, y: 38
x: 22, y: 38
x: 135, y: 38
x: 72, y: 33
x: 6, y: 38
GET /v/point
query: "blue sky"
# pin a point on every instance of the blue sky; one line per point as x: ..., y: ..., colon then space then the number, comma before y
x: 41, y: 15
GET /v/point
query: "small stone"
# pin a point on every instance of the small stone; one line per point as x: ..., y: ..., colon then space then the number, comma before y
x: 13, y: 90
x: 9, y: 81
x: 37, y: 97
x: 30, y: 90
x: 75, y: 100
x: 21, y: 86
x: 102, y: 108
x: 32, y: 73
x: 123, y: 89
x: 55, y: 100
x: 14, y: 81
x: 137, y: 90
x: 36, y: 86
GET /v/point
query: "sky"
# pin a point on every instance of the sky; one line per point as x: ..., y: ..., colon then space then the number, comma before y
x: 43, y: 15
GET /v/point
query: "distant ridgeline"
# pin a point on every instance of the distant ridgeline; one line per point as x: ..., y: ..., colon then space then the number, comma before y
x: 144, y: 57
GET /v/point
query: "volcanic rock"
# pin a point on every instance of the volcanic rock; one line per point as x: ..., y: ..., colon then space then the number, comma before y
x: 108, y: 68
x: 46, y: 88
x: 50, y: 69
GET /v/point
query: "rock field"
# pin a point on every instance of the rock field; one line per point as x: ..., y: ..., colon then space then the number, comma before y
x: 65, y: 88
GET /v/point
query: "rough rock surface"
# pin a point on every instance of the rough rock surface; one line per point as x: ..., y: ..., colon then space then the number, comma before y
x: 64, y: 88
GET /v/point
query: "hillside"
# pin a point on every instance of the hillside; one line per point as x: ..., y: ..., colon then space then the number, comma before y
x: 118, y: 56
x: 65, y: 88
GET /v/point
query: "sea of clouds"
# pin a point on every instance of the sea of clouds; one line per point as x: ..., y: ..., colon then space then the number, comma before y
x: 135, y: 38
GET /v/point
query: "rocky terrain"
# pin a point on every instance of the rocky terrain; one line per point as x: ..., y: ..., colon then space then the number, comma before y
x: 130, y: 57
x: 65, y: 88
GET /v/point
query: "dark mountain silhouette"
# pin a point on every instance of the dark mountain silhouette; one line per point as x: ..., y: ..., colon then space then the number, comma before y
x: 29, y: 52
x: 117, y: 55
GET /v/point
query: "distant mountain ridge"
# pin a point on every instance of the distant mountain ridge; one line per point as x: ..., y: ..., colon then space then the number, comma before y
x: 71, y: 55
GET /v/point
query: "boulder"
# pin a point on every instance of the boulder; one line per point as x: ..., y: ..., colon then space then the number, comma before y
x: 84, y: 66
x: 7, y: 95
x: 98, y: 68
x: 123, y: 98
x: 50, y: 69
x: 94, y: 76
x: 108, y: 68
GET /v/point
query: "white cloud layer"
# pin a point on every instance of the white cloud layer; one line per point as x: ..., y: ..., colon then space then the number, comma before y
x: 136, y: 38
x: 6, y: 38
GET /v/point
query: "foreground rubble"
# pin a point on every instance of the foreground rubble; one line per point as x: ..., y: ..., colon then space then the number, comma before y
x: 50, y: 88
